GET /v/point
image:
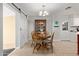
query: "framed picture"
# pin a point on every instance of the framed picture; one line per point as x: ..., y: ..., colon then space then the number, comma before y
x: 56, y: 24
x: 40, y: 25
x: 65, y: 26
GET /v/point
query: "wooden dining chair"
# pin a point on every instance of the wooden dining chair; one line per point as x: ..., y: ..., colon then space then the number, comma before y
x: 34, y: 38
x: 36, y: 42
x: 50, y: 43
x: 37, y: 45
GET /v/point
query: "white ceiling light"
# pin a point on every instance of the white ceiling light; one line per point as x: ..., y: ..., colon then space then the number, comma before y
x: 43, y: 12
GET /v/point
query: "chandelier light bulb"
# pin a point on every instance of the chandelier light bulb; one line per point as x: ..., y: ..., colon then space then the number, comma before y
x: 43, y: 15
x: 46, y: 13
x: 40, y: 13
x: 43, y: 12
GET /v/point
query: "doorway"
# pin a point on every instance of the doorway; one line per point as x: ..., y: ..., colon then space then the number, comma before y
x: 9, y: 43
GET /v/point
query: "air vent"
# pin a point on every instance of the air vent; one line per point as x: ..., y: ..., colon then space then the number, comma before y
x: 68, y: 8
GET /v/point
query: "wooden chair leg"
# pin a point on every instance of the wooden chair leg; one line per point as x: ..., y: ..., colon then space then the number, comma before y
x: 52, y: 49
x: 32, y: 44
x: 37, y: 47
x: 34, y: 48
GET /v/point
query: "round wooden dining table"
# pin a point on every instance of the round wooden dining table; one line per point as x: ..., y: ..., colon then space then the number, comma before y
x: 43, y: 38
x: 40, y: 41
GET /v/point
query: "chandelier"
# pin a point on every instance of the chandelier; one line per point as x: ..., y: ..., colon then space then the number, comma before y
x: 43, y: 12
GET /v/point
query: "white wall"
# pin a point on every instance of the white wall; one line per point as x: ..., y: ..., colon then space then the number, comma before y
x: 1, y: 29
x: 62, y: 16
x: 23, y: 29
x: 76, y: 21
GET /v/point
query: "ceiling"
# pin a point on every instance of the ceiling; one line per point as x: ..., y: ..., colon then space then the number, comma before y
x: 33, y: 9
x: 7, y: 12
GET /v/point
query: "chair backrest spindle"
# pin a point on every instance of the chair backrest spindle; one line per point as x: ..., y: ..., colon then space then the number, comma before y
x: 52, y: 37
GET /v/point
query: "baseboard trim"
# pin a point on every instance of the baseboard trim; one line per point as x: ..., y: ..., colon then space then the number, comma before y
x: 74, y: 41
